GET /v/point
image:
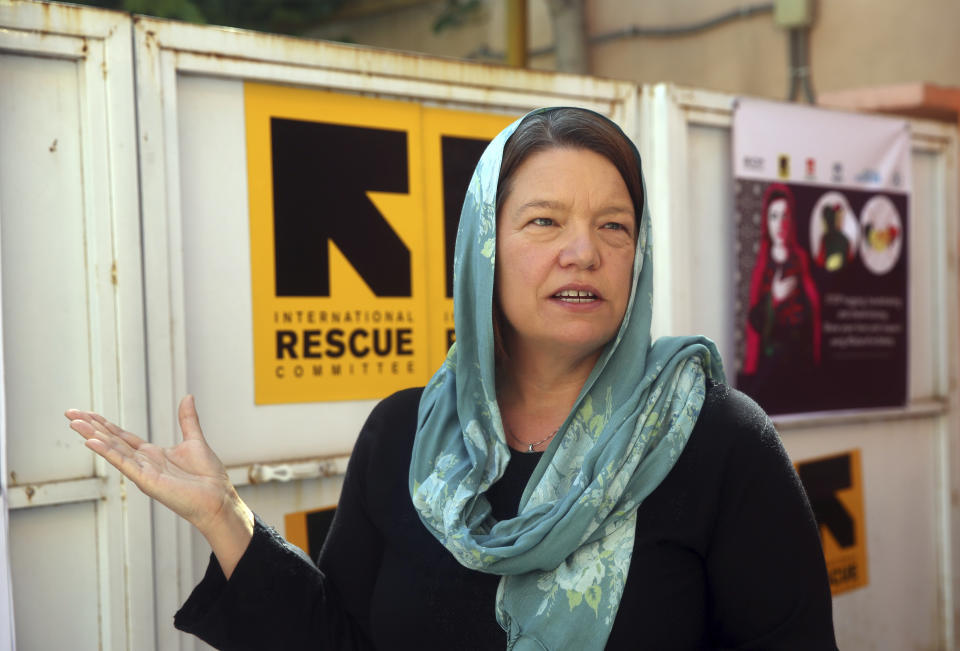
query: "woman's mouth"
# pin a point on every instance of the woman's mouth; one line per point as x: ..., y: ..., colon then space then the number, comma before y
x: 576, y: 296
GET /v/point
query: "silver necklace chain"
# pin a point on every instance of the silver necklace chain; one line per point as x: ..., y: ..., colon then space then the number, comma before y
x: 530, y: 446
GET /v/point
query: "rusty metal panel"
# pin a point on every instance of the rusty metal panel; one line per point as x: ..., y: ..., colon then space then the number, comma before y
x: 73, y: 324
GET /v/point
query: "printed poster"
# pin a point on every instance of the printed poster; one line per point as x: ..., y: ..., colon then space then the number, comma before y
x: 821, y: 201
x: 354, y: 207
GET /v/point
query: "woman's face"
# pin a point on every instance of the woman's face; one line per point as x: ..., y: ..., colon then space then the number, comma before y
x: 565, y: 247
x: 778, y: 221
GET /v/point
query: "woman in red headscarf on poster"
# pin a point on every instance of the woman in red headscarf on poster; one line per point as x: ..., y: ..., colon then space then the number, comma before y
x: 783, y: 322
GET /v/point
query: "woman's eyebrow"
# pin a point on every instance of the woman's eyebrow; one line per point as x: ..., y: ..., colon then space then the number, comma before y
x: 541, y: 203
x: 551, y: 204
x: 615, y: 209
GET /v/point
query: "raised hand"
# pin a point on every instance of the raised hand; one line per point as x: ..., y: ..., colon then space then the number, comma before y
x: 187, y: 478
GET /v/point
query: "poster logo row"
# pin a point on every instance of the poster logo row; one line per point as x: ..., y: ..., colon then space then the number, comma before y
x: 837, y: 176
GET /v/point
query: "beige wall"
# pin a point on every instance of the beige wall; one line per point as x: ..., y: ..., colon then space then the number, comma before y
x: 746, y: 56
x: 408, y: 28
x: 899, y: 41
x: 853, y: 43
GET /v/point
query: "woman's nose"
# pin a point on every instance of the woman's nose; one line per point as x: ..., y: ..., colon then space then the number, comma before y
x: 580, y: 249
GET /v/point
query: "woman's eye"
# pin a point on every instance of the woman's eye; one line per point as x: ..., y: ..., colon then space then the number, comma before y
x: 615, y: 226
x: 541, y: 221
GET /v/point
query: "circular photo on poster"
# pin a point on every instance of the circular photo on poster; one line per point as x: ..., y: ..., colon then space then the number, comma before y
x: 882, y: 235
x: 834, y: 232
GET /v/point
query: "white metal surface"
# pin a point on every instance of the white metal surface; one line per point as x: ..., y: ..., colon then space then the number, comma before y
x: 55, y: 579
x: 908, y: 455
x: 39, y: 90
x: 8, y: 635
x: 73, y: 329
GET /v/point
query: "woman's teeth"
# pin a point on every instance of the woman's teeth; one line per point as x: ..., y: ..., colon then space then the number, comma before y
x: 575, y: 296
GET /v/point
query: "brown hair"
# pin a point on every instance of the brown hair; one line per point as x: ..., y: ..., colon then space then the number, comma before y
x: 572, y: 128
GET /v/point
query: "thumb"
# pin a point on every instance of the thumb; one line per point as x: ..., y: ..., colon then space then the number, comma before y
x: 189, y: 421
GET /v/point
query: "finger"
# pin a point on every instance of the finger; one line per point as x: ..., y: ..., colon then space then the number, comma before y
x: 91, y: 432
x: 116, y: 430
x: 113, y: 429
x: 129, y: 438
x: 99, y: 422
x: 79, y: 414
x: 109, y: 447
x: 95, y: 419
x: 82, y: 427
x: 126, y: 464
x: 189, y: 420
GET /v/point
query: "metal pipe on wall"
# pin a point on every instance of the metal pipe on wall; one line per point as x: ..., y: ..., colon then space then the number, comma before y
x: 634, y: 31
x: 799, y: 66
x: 517, y: 33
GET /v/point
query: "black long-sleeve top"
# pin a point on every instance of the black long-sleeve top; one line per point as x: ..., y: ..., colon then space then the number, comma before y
x: 727, y: 556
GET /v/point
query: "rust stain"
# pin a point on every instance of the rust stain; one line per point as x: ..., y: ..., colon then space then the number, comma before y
x: 13, y: 477
x: 103, y: 67
x: 45, y: 8
x: 113, y: 273
x: 53, y: 146
x: 30, y: 492
x: 71, y: 16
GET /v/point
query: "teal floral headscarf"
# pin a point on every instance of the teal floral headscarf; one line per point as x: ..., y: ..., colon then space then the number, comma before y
x: 564, y: 558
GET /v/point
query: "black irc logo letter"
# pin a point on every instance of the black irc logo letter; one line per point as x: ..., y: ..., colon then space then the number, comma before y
x: 822, y: 479
x: 460, y: 157
x: 321, y: 174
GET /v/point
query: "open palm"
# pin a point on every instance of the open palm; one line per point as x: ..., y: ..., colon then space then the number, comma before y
x: 188, y: 478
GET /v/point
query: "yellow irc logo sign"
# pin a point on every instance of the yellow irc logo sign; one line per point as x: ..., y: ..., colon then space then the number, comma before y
x: 835, y: 488
x: 350, y: 235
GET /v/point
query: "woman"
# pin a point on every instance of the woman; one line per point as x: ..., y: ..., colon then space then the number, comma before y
x: 783, y: 323
x: 559, y: 484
